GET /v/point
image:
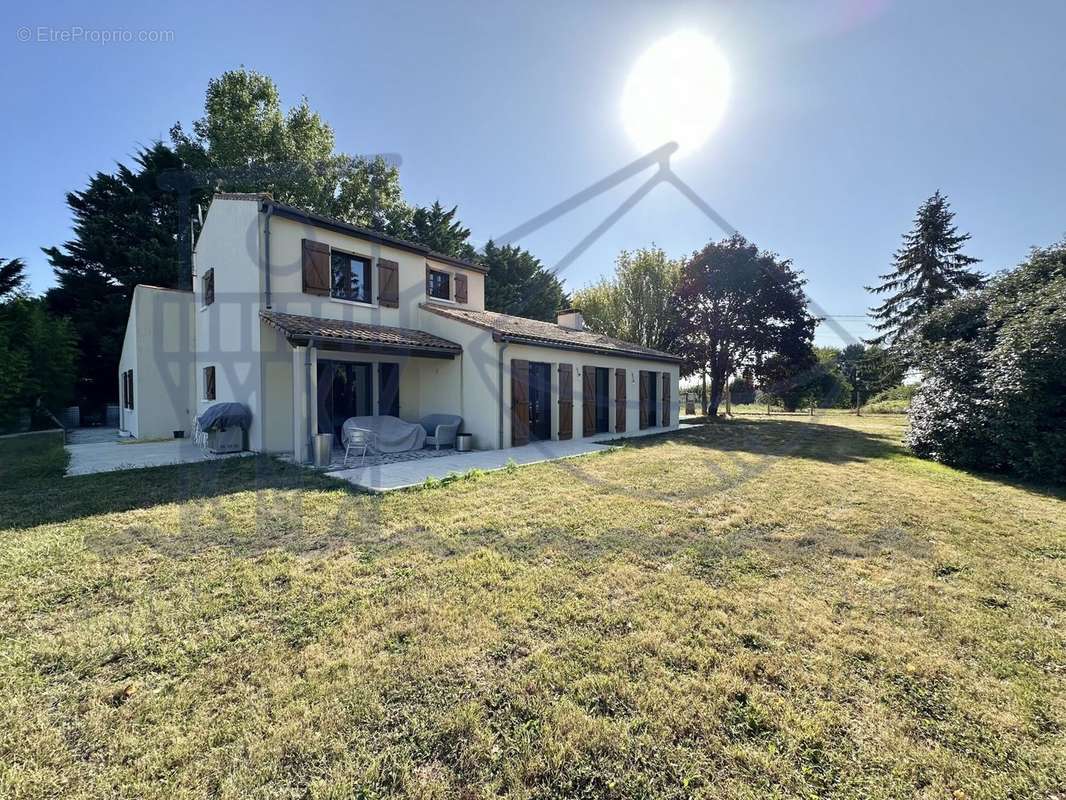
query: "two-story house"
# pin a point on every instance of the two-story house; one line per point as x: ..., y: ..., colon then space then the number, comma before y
x: 308, y: 321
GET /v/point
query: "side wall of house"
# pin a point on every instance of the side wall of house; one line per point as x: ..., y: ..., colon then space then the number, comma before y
x: 158, y: 348
x: 127, y: 417
x: 228, y: 331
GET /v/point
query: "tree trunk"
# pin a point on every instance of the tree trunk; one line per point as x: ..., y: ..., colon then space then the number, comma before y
x: 703, y: 394
x: 717, y: 379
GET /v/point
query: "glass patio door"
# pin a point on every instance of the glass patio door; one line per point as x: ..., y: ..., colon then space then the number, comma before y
x: 345, y: 389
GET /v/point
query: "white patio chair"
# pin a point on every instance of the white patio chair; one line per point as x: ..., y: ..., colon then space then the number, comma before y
x: 356, y: 437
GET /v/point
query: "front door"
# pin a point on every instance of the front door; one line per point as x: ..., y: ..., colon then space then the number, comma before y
x: 344, y: 390
x: 540, y: 395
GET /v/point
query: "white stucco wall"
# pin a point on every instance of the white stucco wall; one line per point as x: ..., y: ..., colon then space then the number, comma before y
x: 286, y: 258
x: 228, y: 332
x: 158, y: 347
x: 482, y: 388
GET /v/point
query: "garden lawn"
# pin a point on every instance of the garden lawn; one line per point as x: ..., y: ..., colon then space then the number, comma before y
x: 787, y: 607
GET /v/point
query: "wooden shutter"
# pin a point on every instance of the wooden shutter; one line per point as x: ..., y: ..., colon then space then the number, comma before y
x: 388, y: 283
x: 460, y: 288
x: 209, y: 287
x: 666, y: 399
x: 644, y: 399
x: 519, y: 402
x: 588, y: 400
x: 316, y: 268
x: 209, y: 383
x: 566, y: 401
x: 620, y: 400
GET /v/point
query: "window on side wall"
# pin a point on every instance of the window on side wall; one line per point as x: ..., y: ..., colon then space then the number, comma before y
x: 438, y: 284
x: 349, y: 277
x: 209, y: 383
x: 208, y: 287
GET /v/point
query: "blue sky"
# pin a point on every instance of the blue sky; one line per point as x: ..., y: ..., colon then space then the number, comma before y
x: 843, y: 117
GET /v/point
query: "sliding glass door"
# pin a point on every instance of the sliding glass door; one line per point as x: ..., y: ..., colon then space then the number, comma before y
x: 345, y: 389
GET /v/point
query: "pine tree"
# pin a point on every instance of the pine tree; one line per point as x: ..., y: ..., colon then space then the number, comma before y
x: 929, y: 269
x: 519, y: 285
x: 440, y: 230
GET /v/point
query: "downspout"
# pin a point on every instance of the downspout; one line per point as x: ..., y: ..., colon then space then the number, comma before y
x: 499, y: 388
x: 266, y: 252
x: 307, y: 392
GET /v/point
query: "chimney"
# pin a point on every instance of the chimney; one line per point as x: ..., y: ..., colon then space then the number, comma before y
x: 571, y: 318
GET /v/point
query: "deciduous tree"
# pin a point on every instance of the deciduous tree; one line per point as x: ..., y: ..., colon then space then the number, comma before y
x: 734, y: 308
x: 634, y: 303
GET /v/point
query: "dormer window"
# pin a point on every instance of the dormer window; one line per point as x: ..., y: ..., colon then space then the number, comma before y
x: 438, y: 284
x: 349, y: 277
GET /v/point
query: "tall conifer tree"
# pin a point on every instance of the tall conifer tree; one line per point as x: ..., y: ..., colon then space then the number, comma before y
x: 928, y: 270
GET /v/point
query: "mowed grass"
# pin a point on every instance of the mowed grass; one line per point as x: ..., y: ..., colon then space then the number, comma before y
x: 754, y: 608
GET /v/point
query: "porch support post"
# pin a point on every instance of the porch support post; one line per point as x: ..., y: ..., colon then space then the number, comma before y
x: 299, y: 405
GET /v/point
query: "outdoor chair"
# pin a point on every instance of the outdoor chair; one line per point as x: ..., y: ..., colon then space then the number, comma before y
x: 355, y: 438
x: 441, y: 429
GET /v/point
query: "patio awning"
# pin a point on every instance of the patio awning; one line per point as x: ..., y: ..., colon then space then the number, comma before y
x: 337, y: 334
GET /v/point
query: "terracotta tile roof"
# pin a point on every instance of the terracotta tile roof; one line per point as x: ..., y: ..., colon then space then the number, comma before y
x: 547, y: 334
x: 359, y: 334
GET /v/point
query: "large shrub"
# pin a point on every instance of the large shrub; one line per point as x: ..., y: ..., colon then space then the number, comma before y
x: 994, y: 361
x: 37, y: 359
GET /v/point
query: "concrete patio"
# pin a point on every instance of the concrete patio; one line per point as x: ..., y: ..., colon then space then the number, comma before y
x: 96, y: 450
x: 403, y: 475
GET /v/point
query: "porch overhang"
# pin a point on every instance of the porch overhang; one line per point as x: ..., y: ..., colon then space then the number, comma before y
x: 359, y: 337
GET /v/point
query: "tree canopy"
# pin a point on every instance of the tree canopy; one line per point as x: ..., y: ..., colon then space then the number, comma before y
x: 633, y: 304
x: 929, y: 269
x: 252, y: 145
x: 738, y: 308
x: 994, y: 368
x: 439, y: 229
x: 12, y: 277
x: 518, y: 284
x: 125, y: 229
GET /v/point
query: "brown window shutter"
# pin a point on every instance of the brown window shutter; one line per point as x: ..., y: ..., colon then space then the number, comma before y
x: 209, y: 383
x: 588, y: 400
x: 388, y: 283
x: 666, y: 399
x: 566, y: 401
x: 460, y: 288
x: 644, y: 376
x: 316, y: 268
x: 209, y: 287
x: 519, y: 402
x: 620, y: 400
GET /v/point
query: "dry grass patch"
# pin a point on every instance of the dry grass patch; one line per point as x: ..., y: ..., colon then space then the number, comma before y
x: 782, y: 607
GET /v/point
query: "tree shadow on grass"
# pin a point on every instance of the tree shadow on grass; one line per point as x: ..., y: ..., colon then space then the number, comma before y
x: 34, y: 491
x: 816, y: 441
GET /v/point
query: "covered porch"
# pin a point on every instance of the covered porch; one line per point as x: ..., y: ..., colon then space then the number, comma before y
x: 321, y: 372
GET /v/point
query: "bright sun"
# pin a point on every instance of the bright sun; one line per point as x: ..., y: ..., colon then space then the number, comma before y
x: 677, y: 92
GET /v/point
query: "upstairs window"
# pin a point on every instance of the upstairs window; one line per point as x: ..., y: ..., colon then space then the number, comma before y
x: 349, y: 277
x: 208, y: 287
x: 438, y: 284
